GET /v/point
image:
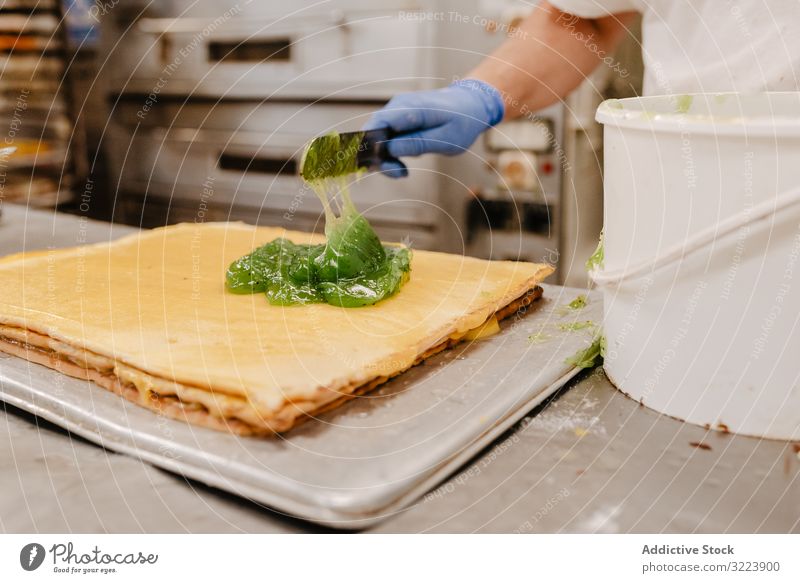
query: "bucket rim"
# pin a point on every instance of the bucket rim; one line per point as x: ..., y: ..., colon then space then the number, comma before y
x: 673, y: 113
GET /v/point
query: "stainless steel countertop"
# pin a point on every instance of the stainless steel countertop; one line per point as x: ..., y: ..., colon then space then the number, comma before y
x: 591, y: 460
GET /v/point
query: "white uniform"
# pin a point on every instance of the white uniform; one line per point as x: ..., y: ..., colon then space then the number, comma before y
x: 711, y: 45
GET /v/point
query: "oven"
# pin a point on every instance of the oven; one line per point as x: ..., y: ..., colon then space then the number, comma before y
x: 212, y: 104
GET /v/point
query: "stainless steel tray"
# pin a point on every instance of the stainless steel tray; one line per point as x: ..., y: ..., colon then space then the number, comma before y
x: 362, y: 462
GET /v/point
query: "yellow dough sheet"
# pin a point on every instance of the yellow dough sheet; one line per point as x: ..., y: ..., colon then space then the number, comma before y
x: 148, y: 317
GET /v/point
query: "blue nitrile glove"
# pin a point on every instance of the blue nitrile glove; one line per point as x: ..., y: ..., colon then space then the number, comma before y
x: 442, y: 121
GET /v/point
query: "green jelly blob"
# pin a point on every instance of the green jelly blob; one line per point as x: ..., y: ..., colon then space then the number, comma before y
x: 352, y: 269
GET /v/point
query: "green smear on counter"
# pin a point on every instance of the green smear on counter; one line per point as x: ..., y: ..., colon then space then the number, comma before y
x: 575, y: 326
x: 578, y: 303
x: 538, y: 338
x: 590, y: 356
x: 597, y: 258
x: 352, y: 269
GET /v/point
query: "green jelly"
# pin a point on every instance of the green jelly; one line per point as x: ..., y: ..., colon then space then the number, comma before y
x: 290, y: 274
x: 352, y: 269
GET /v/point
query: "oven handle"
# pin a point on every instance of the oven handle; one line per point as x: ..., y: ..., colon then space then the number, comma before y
x: 292, y: 142
x: 245, y: 26
x: 230, y: 161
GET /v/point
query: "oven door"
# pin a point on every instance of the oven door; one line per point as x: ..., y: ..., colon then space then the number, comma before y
x: 318, y: 56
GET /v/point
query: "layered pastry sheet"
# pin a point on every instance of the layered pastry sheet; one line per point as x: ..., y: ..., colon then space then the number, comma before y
x: 148, y: 317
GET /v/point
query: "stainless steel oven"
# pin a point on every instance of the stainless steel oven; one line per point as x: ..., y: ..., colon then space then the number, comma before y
x: 242, y: 50
x: 213, y: 102
x: 220, y: 98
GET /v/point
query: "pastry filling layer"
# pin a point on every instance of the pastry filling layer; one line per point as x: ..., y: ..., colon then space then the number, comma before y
x: 194, y: 404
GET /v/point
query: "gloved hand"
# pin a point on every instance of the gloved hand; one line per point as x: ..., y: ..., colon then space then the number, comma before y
x: 442, y: 121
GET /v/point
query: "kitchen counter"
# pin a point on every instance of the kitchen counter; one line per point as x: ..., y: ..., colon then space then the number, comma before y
x: 590, y: 460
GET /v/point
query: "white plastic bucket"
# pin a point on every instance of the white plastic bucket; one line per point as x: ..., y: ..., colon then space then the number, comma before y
x: 701, y: 275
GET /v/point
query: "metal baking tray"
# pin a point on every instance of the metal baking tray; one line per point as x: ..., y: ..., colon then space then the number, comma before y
x: 362, y: 462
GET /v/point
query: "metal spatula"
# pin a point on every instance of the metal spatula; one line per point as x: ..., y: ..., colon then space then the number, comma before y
x: 339, y: 154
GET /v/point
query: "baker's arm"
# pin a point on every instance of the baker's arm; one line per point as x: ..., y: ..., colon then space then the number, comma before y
x: 546, y: 57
